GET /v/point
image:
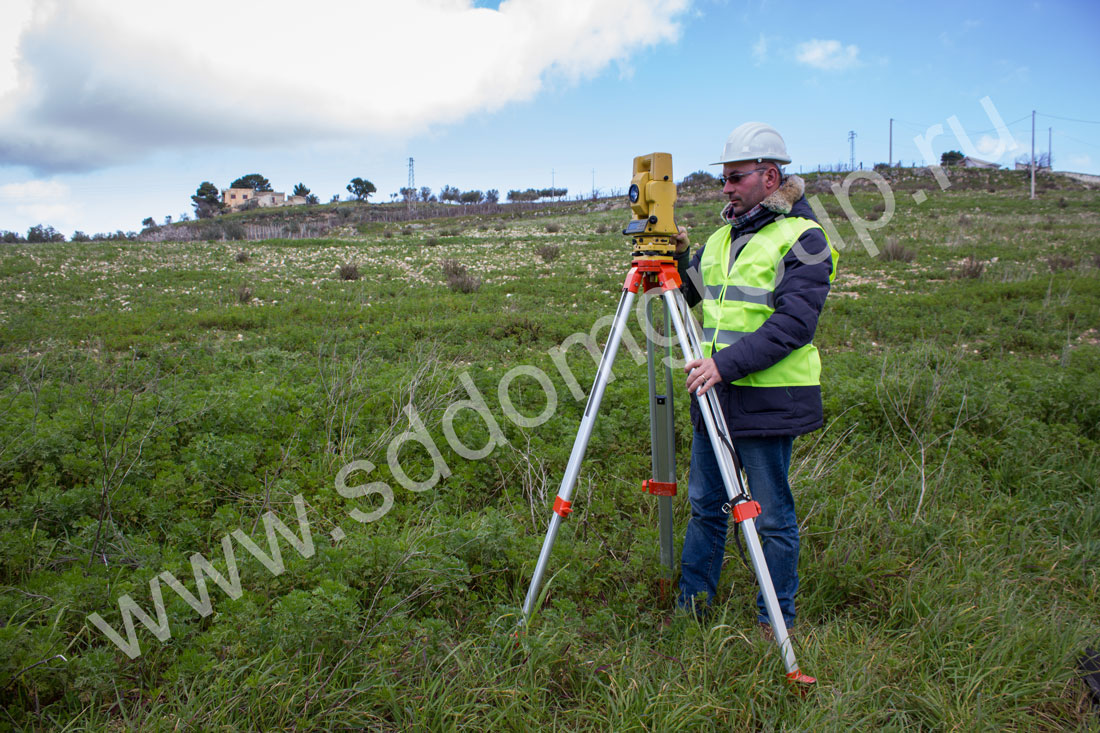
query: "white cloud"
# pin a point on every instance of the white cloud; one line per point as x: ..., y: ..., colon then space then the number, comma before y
x: 37, y: 200
x: 993, y: 146
x: 17, y: 13
x: 1078, y: 161
x: 105, y: 81
x: 827, y: 55
x: 760, y: 50
x: 24, y: 191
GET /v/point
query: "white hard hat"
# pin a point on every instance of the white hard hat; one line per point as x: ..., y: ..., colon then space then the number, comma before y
x: 754, y: 141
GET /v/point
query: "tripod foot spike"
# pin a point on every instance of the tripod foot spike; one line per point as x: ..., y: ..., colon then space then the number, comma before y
x: 802, y: 682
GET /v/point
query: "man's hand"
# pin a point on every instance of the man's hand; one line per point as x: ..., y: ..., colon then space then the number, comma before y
x: 703, y: 378
x: 683, y: 244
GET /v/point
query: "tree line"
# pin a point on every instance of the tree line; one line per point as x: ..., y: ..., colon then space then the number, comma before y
x: 42, y: 233
x: 208, y: 202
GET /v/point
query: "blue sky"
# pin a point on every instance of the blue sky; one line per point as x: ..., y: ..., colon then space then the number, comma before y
x: 114, y: 111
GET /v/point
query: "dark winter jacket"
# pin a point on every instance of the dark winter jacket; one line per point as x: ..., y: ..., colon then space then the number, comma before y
x: 799, y: 298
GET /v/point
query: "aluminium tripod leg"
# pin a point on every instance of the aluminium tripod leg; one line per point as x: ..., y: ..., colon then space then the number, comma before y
x: 743, y: 509
x: 563, y: 503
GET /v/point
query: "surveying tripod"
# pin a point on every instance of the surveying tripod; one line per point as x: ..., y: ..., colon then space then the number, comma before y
x: 651, y: 195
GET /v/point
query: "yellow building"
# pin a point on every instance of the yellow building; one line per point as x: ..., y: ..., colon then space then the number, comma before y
x: 235, y: 198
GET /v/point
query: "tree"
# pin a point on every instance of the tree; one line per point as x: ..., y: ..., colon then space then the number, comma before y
x: 1042, y: 160
x: 519, y: 196
x: 301, y: 190
x: 699, y: 179
x: 79, y: 236
x: 492, y: 196
x: 532, y: 194
x: 254, y: 181
x: 312, y: 199
x: 426, y: 194
x: 361, y: 189
x: 449, y: 193
x: 471, y: 197
x: 552, y: 193
x: 39, y: 233
x: 951, y: 157
x: 149, y: 223
x: 408, y: 194
x: 207, y: 201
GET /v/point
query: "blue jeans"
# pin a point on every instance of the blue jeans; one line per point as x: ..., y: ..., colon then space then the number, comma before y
x: 766, y: 462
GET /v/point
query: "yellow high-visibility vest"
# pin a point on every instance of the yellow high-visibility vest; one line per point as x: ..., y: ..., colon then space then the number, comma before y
x: 738, y: 299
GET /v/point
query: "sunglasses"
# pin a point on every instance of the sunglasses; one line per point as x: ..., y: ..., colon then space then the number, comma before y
x: 736, y: 178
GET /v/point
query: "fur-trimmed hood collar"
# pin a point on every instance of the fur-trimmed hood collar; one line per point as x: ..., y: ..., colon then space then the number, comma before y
x: 783, y: 198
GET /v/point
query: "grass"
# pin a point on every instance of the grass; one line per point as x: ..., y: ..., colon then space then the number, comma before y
x: 949, y: 508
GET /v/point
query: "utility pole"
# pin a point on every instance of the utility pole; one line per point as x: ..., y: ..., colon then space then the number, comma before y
x: 412, y: 185
x: 1032, y: 153
x: 890, y: 156
x: 852, y: 150
x: 1050, y: 151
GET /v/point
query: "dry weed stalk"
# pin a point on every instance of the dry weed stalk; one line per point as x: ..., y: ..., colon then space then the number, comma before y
x: 910, y: 402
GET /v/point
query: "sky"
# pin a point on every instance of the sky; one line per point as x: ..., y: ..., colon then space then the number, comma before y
x: 112, y: 111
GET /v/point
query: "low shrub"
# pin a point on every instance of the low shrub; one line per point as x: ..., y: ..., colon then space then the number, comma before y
x: 349, y: 271
x: 549, y: 252
x: 464, y: 283
x: 244, y: 295
x: 1057, y: 263
x: 458, y: 278
x: 895, y: 252
x: 243, y: 256
x: 553, y: 228
x: 452, y: 268
x: 970, y: 269
x: 234, y: 231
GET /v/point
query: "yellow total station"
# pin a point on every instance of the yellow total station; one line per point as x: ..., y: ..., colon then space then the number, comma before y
x: 652, y: 198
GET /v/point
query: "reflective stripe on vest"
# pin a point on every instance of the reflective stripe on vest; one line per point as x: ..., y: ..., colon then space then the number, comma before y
x: 738, y: 299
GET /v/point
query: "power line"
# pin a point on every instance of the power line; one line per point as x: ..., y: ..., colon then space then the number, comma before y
x: 917, y: 125
x: 1069, y: 119
x: 995, y: 129
x: 979, y: 132
x: 1077, y: 140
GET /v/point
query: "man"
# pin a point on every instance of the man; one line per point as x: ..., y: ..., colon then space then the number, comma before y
x: 762, y: 278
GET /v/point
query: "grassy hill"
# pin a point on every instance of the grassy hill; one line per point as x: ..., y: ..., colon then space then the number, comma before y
x: 162, y: 399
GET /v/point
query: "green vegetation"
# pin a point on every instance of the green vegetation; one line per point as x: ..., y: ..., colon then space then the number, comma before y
x: 361, y: 189
x: 952, y: 157
x: 207, y: 201
x: 164, y: 399
x: 255, y: 181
